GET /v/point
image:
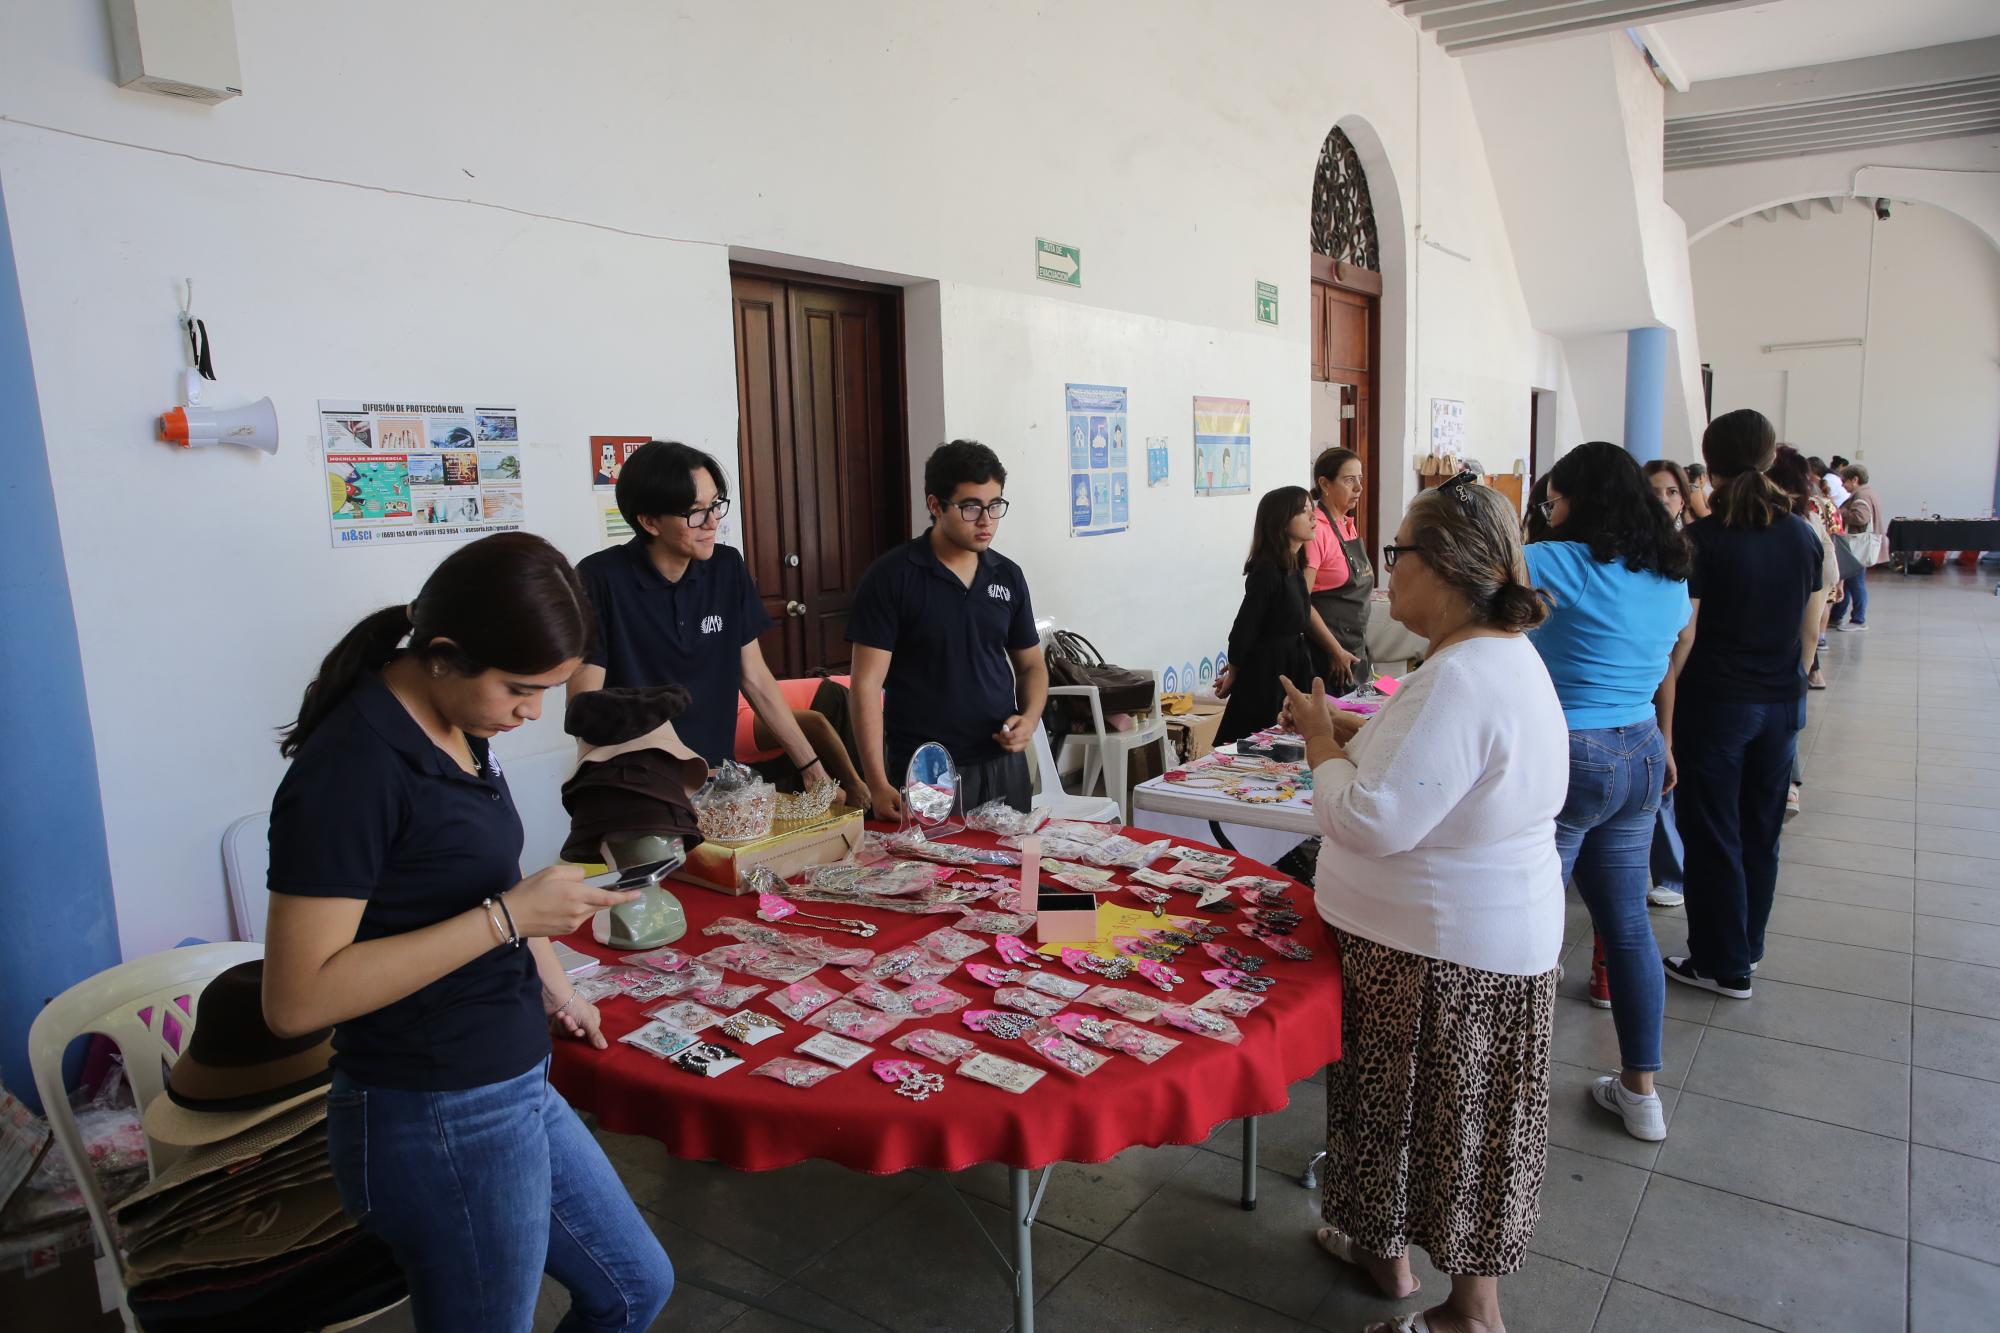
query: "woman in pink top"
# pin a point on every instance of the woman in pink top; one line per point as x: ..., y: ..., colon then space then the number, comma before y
x: 1338, y: 576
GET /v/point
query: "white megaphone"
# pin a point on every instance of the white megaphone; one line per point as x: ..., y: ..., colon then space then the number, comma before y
x: 254, y: 426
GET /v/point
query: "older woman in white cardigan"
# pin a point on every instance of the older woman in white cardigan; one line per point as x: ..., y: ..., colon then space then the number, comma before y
x: 1439, y: 876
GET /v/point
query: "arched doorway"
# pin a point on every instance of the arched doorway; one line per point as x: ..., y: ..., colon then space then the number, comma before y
x: 1347, y: 319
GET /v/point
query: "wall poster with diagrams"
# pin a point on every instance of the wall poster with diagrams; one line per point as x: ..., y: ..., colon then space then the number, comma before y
x: 1100, y: 498
x: 398, y: 472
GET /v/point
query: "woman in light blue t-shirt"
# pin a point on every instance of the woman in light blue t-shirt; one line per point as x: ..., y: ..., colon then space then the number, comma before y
x: 1616, y: 572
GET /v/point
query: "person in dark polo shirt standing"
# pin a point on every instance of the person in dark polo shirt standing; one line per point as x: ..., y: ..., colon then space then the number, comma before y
x: 400, y: 919
x: 676, y: 607
x: 945, y: 647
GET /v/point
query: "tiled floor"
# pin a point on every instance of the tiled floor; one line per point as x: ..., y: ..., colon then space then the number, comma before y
x: 1833, y: 1159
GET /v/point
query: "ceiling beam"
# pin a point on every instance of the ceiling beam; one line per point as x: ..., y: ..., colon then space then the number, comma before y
x: 1718, y: 157
x: 1896, y: 71
x: 1801, y: 209
x: 1463, y: 25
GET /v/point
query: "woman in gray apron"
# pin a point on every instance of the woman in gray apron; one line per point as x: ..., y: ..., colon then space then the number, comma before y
x: 1338, y: 575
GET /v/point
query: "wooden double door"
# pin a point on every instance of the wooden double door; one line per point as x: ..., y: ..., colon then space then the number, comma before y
x: 822, y: 453
x: 1346, y: 350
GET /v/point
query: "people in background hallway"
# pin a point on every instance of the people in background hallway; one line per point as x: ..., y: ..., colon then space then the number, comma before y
x: 1615, y: 571
x: 1698, y: 491
x: 945, y: 647
x: 1758, y: 583
x: 1866, y: 536
x: 1669, y: 861
x: 1339, y: 578
x: 1794, y: 476
x: 1439, y: 876
x: 1268, y: 638
x: 396, y: 918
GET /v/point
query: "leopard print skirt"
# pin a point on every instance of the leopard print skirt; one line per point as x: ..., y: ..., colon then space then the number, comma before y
x: 1437, y: 1112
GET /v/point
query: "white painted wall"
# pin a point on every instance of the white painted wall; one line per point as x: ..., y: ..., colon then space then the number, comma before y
x: 1924, y: 415
x: 482, y: 198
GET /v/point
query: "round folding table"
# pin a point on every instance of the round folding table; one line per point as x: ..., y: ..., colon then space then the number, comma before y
x: 855, y: 1120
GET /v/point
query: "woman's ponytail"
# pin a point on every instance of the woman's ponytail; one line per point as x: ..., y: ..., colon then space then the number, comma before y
x: 1517, y: 606
x: 1749, y: 500
x: 367, y: 647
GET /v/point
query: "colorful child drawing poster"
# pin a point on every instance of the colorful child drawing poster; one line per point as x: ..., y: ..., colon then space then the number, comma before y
x: 1095, y: 429
x: 1221, y: 446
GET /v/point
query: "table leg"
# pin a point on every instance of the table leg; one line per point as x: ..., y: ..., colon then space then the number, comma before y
x: 1249, y: 1162
x: 1024, y: 1252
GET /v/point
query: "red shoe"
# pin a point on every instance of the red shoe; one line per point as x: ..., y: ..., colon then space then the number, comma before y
x: 1600, y: 980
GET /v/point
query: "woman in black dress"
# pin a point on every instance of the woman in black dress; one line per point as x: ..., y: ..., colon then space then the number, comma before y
x: 1268, y: 639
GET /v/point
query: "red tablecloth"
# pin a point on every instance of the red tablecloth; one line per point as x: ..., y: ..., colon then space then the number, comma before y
x: 854, y: 1119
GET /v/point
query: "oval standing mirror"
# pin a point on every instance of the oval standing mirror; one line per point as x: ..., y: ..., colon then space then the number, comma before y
x: 931, y: 806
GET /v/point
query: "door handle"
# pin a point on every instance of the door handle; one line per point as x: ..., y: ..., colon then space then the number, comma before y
x: 792, y: 560
x: 795, y: 609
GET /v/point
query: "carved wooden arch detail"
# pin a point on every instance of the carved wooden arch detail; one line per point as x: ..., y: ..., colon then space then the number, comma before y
x: 1343, y: 216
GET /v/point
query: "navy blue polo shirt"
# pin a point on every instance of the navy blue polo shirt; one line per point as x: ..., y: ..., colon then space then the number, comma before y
x: 690, y: 633
x: 950, y: 679
x: 371, y: 808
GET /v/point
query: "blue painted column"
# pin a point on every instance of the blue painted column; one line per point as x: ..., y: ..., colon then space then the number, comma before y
x: 1645, y: 392
x: 61, y: 925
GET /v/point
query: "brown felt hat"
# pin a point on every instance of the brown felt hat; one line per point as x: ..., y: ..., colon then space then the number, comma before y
x: 236, y: 1072
x: 612, y: 717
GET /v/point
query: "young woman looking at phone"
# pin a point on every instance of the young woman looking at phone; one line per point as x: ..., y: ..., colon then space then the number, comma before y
x: 399, y: 918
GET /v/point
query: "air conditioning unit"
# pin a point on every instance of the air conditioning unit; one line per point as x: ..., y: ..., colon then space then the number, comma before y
x: 182, y: 48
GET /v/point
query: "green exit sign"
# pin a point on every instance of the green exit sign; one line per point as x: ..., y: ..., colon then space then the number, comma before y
x: 1267, y: 303
x: 1056, y: 262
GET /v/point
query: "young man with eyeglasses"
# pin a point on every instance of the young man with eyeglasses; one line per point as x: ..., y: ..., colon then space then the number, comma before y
x: 676, y: 607
x: 945, y: 647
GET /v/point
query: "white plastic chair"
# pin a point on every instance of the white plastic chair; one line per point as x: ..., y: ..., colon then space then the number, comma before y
x: 246, y: 869
x: 1049, y: 789
x: 1106, y: 752
x: 147, y: 1006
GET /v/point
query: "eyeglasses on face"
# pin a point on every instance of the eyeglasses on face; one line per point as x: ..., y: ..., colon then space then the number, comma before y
x: 1391, y: 554
x: 704, y: 516
x: 970, y: 510
x: 1547, y: 509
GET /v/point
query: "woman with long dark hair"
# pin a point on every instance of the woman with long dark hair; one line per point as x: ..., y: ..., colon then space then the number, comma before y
x: 1616, y: 574
x: 399, y: 918
x: 1339, y: 579
x: 1672, y: 486
x: 1758, y: 585
x: 1268, y: 638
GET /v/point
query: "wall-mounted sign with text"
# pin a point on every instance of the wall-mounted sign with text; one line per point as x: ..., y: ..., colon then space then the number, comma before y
x: 1056, y: 262
x: 1267, y: 303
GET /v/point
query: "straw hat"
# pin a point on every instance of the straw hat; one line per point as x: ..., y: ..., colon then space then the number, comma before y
x: 236, y: 1073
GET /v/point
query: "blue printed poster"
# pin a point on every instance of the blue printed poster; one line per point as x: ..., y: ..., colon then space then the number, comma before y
x: 1156, y: 460
x: 1095, y: 423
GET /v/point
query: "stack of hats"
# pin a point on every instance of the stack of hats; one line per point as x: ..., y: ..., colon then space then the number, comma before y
x: 633, y: 772
x: 245, y: 1232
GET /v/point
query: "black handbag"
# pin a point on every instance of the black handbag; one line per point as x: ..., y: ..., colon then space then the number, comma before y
x: 1074, y: 660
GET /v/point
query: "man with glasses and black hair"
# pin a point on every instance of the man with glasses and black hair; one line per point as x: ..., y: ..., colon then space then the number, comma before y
x: 676, y: 607
x: 945, y: 647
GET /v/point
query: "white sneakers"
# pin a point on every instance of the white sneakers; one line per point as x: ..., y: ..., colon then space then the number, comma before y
x: 1662, y: 896
x: 1644, y: 1117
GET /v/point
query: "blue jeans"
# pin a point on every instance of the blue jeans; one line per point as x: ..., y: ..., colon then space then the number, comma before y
x: 1853, y: 600
x: 1603, y: 835
x: 1735, y: 761
x: 1669, y: 856
x: 478, y: 1192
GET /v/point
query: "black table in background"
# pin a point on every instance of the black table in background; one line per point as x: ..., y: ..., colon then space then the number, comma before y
x: 1944, y: 534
